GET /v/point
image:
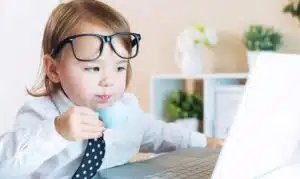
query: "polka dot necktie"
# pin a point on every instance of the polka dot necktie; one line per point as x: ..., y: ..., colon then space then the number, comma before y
x: 92, y: 159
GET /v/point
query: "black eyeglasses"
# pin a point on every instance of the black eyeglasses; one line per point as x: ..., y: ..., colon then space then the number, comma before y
x: 89, y: 47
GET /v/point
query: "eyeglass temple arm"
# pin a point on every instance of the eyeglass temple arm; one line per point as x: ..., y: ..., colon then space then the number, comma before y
x: 135, y: 41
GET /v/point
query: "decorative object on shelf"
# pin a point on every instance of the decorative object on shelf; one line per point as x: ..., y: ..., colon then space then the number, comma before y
x: 185, y: 109
x: 260, y: 39
x: 189, y: 44
x: 293, y: 8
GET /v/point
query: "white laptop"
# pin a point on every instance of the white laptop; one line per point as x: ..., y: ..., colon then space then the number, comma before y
x: 263, y: 142
x: 264, y: 138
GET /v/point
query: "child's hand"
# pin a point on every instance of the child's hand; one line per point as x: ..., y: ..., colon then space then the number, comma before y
x: 214, y: 142
x: 79, y: 123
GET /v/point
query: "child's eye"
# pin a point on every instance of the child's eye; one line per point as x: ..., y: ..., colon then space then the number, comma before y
x: 121, y: 69
x: 92, y: 69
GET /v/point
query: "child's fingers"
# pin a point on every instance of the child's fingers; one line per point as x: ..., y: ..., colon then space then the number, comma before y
x: 91, y: 128
x: 93, y: 121
x: 91, y: 135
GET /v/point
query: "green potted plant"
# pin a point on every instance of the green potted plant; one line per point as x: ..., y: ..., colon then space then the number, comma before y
x: 293, y: 8
x: 186, y: 109
x: 260, y: 39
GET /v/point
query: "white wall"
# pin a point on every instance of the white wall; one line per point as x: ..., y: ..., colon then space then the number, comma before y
x: 21, y: 27
x: 160, y: 22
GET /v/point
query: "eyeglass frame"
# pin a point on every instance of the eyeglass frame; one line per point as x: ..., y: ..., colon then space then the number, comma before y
x: 103, y: 38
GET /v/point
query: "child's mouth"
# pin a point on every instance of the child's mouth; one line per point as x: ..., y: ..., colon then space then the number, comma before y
x: 103, y: 98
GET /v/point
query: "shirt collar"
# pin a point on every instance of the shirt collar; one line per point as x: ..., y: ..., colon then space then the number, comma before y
x: 61, y: 101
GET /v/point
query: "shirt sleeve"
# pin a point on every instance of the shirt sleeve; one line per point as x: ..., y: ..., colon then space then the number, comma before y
x: 160, y: 136
x: 33, y: 141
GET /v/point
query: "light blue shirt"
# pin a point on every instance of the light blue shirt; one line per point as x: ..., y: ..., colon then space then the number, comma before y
x: 34, y: 149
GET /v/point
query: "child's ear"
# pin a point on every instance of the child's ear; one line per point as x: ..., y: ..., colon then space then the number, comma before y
x: 50, y: 66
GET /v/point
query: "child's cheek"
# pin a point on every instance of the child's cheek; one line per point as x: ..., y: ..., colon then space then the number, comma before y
x: 90, y: 81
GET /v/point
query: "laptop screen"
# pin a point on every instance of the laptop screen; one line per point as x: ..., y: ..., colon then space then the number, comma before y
x: 266, y: 130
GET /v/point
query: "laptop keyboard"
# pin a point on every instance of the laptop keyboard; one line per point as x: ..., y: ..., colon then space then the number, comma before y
x: 193, y: 168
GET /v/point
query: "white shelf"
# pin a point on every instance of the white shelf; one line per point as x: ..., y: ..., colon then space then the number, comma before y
x: 202, y: 76
x: 230, y: 88
x: 218, y: 89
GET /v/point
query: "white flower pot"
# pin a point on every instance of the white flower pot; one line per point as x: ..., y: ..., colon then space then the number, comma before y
x: 190, y: 62
x: 252, y: 57
x: 189, y: 123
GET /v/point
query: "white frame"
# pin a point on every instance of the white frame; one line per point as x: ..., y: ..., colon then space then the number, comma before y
x: 212, y: 83
x: 228, y: 90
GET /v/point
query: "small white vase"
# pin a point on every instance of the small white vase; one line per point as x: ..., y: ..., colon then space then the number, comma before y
x: 190, y: 62
x: 252, y: 57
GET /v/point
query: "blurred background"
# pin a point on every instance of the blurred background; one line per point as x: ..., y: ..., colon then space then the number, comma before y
x: 194, y: 58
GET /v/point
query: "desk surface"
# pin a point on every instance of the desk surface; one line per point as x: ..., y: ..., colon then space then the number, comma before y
x: 142, y: 156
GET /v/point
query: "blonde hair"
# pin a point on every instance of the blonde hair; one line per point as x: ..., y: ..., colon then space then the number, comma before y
x: 64, y: 20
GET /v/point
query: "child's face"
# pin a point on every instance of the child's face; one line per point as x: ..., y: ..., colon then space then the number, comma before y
x: 93, y: 84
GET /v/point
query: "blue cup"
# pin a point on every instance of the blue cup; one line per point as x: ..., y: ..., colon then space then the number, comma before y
x: 105, y: 116
x: 113, y: 117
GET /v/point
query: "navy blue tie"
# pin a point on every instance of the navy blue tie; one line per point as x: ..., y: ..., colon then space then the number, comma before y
x: 91, y: 160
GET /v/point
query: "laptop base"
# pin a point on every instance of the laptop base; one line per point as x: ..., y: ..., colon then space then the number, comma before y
x: 177, y: 164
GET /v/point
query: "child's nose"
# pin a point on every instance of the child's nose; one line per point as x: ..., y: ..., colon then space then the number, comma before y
x: 105, y: 82
x: 107, y: 79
